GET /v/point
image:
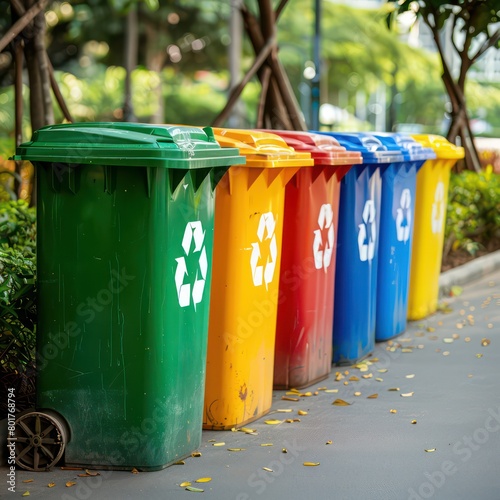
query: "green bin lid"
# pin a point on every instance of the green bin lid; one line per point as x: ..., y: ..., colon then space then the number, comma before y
x: 128, y: 144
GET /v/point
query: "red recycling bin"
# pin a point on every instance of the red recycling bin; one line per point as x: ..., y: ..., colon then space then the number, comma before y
x: 303, y: 351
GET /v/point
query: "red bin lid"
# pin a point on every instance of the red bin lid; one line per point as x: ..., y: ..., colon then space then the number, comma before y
x: 324, y: 149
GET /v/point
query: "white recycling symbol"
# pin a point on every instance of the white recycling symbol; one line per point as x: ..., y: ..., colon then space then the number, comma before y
x: 438, y: 209
x: 367, y: 238
x: 185, y: 292
x: 403, y: 224
x: 323, y: 258
x: 264, y: 273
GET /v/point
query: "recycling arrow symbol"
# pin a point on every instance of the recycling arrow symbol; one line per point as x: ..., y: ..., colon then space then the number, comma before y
x: 265, y: 231
x: 367, y: 248
x: 438, y: 209
x: 193, y: 233
x: 403, y: 224
x: 323, y: 258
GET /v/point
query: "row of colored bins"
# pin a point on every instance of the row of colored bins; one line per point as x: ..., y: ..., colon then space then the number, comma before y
x: 152, y: 363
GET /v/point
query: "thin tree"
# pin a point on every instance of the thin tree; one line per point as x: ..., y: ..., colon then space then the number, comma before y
x: 473, y: 30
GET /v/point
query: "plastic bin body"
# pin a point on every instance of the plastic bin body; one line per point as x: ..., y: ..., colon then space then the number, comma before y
x: 303, y: 353
x: 357, y: 250
x: 125, y: 235
x: 433, y: 181
x: 244, y: 296
x: 396, y: 228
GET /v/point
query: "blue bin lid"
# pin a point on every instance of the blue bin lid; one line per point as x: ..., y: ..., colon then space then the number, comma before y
x: 411, y: 149
x: 371, y: 147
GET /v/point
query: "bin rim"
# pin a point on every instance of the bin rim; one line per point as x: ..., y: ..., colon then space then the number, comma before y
x: 127, y: 144
x: 262, y: 149
x: 412, y: 150
x: 324, y: 149
x: 372, y: 149
x: 443, y: 148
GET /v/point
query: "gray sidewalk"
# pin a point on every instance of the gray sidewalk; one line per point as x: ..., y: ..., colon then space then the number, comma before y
x: 451, y: 382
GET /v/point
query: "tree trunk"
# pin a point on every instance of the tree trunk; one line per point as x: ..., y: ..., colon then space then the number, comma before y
x: 155, y: 60
x: 131, y: 49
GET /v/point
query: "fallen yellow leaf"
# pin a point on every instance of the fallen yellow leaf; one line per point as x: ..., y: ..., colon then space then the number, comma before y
x: 247, y: 430
x: 368, y: 375
x: 266, y: 444
x: 273, y: 422
x: 414, y: 422
x: 196, y: 454
x: 196, y: 490
x: 430, y: 450
x: 236, y: 449
x: 410, y: 376
x: 286, y: 398
x: 302, y: 412
x: 134, y: 471
x: 485, y: 342
x: 26, y: 494
x: 329, y: 442
x: 311, y: 464
x: 184, y: 484
x: 221, y: 443
x: 340, y: 402
x: 285, y: 410
x: 267, y: 469
x: 407, y: 394
x: 393, y: 389
x: 357, y: 393
x: 382, y: 370
x: 332, y: 390
x: 203, y: 480
x: 372, y: 396
x: 393, y: 411
x: 51, y: 485
x: 69, y: 484
x: 28, y: 481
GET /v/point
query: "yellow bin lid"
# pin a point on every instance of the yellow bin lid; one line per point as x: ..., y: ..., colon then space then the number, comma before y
x: 262, y: 149
x: 443, y: 148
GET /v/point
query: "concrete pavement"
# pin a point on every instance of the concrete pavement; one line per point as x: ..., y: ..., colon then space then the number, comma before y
x: 432, y: 431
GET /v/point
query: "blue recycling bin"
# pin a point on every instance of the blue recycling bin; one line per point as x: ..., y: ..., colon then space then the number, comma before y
x: 357, y: 247
x: 396, y: 230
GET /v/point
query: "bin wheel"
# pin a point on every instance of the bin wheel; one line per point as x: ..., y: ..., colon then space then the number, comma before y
x: 40, y: 440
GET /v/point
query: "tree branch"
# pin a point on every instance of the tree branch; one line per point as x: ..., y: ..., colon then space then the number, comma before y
x: 492, y: 41
x: 235, y: 93
x: 454, y: 18
x: 279, y: 9
x: 20, y: 24
x: 266, y: 76
x: 57, y: 93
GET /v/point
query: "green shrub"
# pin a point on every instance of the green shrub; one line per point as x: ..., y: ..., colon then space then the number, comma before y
x: 473, y: 215
x: 17, y: 286
x: 18, y: 228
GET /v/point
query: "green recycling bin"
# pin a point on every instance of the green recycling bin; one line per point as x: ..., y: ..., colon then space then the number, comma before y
x: 125, y: 234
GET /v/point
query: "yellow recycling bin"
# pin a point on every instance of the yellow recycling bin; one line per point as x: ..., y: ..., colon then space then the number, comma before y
x: 249, y: 210
x: 431, y: 202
